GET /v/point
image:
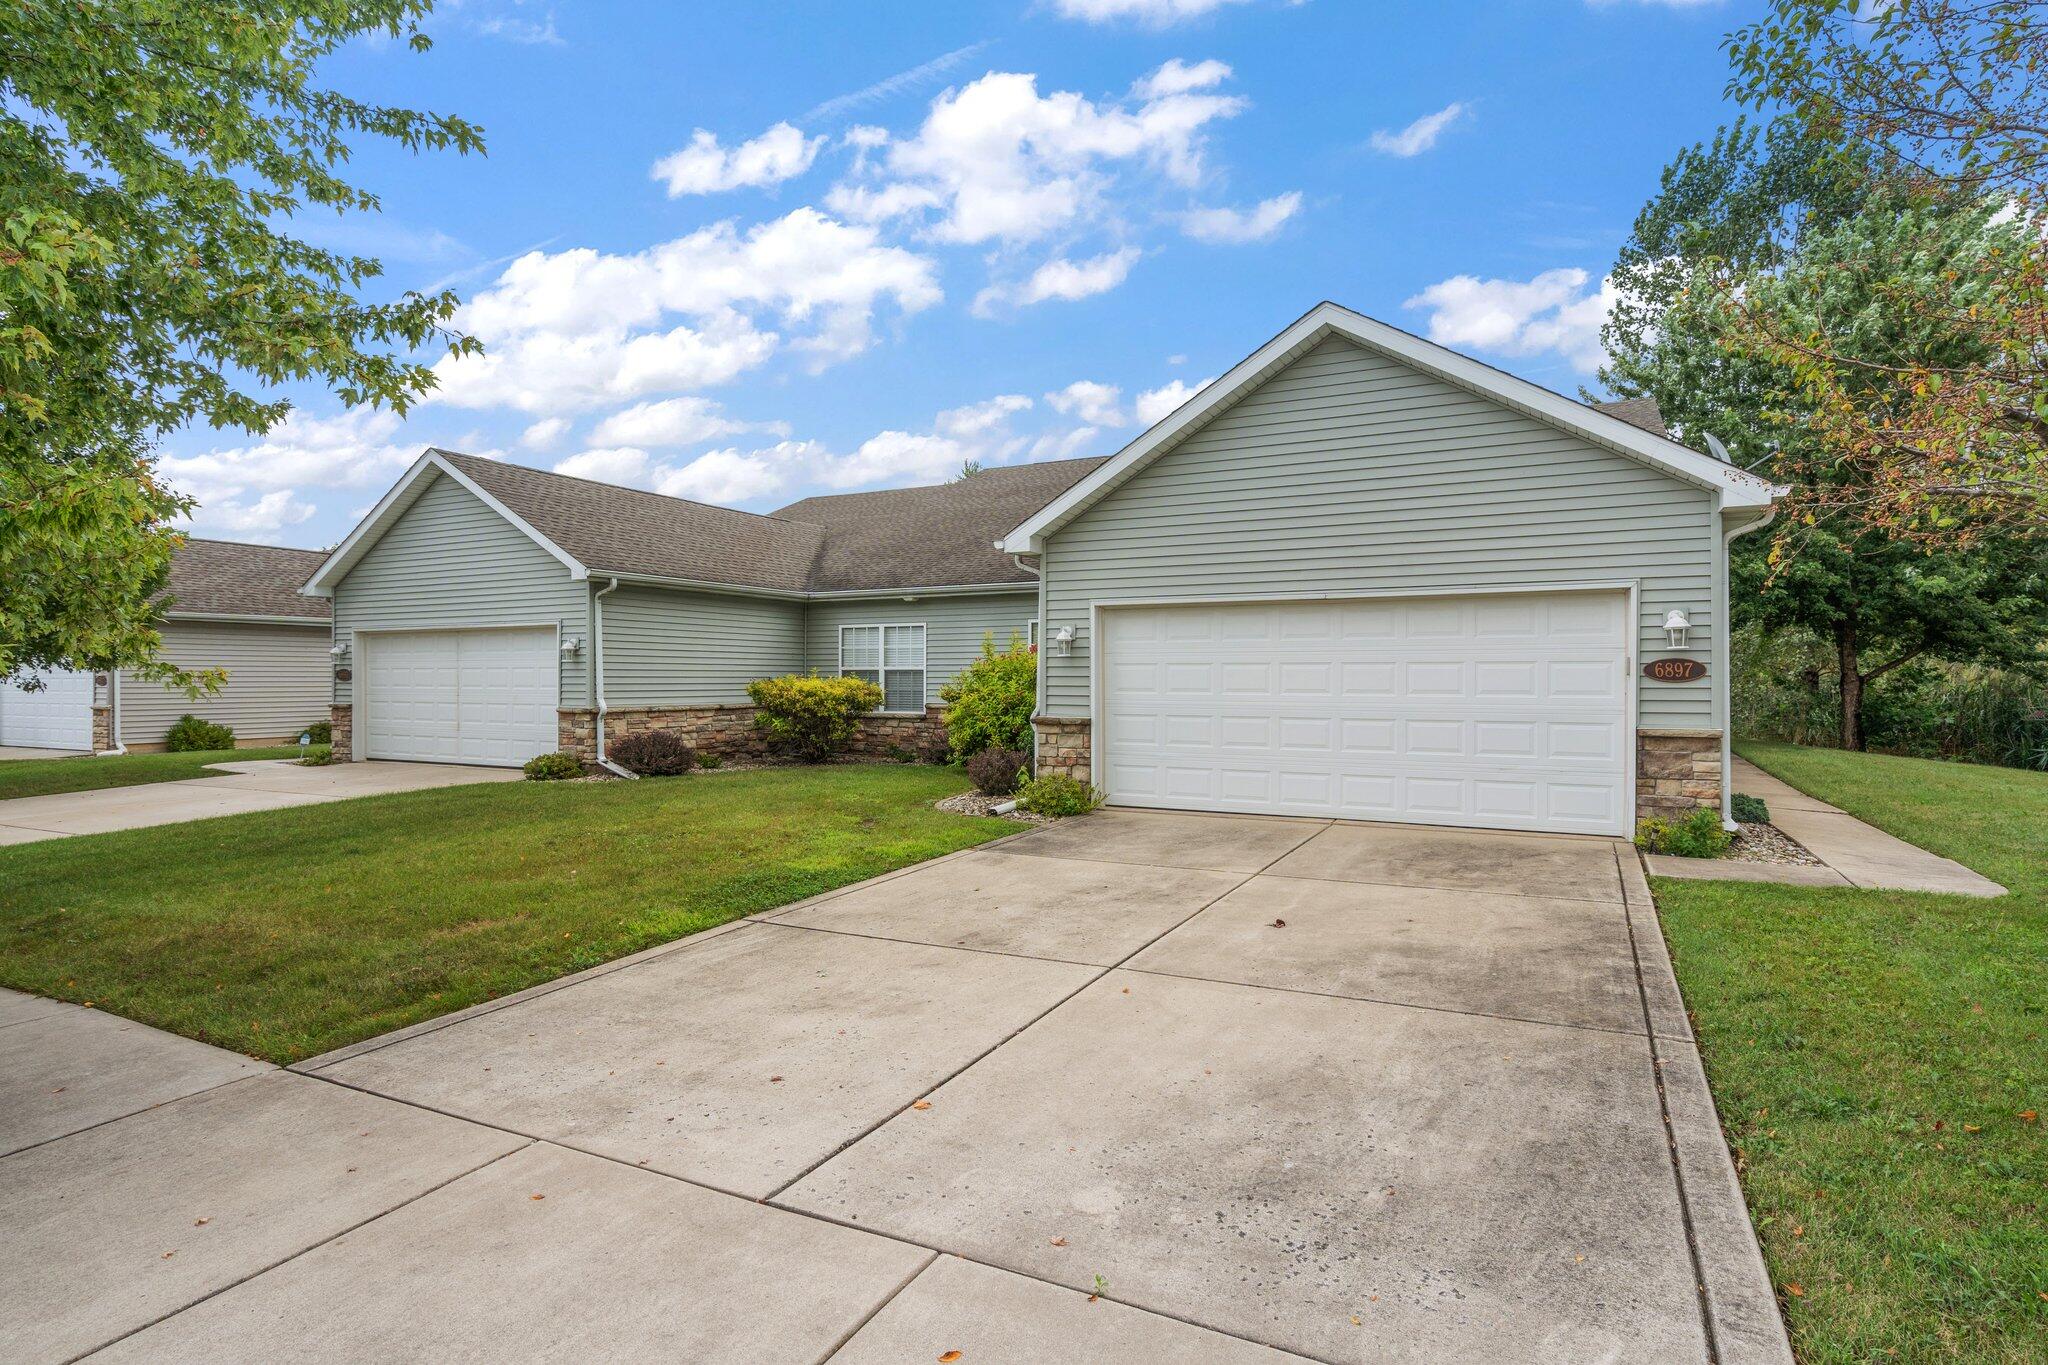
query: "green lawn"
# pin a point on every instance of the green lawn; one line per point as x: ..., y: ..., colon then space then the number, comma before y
x: 1879, y: 1060
x: 48, y: 776
x: 287, y: 933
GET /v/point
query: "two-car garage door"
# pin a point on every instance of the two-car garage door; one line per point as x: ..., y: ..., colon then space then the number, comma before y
x: 458, y: 696
x: 1503, y: 711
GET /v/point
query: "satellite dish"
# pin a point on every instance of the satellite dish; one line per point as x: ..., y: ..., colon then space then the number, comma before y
x: 1720, y: 451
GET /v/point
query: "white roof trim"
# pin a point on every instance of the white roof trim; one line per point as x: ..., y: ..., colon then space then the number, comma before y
x: 315, y: 622
x: 387, y: 511
x: 1735, y: 488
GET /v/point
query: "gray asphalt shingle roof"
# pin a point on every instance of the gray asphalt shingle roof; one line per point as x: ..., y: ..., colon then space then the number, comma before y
x: 1637, y: 412
x: 229, y: 578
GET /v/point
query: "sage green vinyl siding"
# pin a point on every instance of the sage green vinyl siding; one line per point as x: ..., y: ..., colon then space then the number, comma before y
x: 1351, y: 472
x: 276, y: 686
x: 449, y: 562
x: 954, y: 627
x: 672, y: 648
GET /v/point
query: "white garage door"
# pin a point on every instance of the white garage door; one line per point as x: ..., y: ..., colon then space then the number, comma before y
x: 1502, y: 712
x: 458, y: 696
x: 58, y: 716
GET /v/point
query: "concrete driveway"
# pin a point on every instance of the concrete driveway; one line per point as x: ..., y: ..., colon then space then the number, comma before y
x: 263, y: 784
x: 1265, y: 1089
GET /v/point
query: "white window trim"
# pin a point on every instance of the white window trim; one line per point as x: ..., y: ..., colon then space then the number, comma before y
x: 882, y: 671
x: 1031, y: 632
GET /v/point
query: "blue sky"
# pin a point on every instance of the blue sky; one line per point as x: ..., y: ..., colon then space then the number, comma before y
x: 747, y: 253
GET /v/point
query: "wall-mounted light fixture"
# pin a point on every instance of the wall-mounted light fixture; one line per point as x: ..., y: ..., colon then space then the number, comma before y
x: 1675, y: 626
x: 572, y: 644
x: 1063, y: 640
x: 338, y: 650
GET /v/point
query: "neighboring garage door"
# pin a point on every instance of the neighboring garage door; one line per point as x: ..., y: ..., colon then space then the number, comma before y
x: 458, y: 696
x: 58, y: 716
x: 1506, y: 712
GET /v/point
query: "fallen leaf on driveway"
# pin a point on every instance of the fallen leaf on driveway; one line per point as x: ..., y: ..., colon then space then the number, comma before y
x: 1279, y: 924
x: 536, y: 1196
x: 948, y: 1357
x: 1059, y: 1241
x: 201, y: 1222
x: 773, y: 1079
x: 921, y: 1104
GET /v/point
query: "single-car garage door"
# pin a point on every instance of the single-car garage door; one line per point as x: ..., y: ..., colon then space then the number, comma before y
x: 56, y: 715
x: 458, y: 696
x: 1505, y: 712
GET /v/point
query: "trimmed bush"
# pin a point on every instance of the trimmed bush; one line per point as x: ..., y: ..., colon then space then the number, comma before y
x: 709, y: 761
x: 996, y: 772
x: 1749, y: 810
x: 989, y: 705
x: 553, y: 767
x: 318, y: 756
x: 652, y: 753
x: 811, y: 718
x: 1057, y: 796
x: 1698, y: 835
x: 322, y: 731
x: 190, y: 735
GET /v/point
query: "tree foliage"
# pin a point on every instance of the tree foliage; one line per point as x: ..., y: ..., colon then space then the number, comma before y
x: 153, y: 154
x: 1945, y: 102
x: 1788, y: 220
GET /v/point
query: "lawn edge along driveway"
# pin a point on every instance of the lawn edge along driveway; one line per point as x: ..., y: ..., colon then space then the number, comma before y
x: 286, y: 933
x: 96, y: 772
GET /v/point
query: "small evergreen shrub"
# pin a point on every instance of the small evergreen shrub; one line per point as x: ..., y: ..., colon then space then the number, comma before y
x: 191, y: 735
x: 318, y: 756
x: 652, y: 753
x: 708, y: 761
x: 1750, y: 810
x: 1698, y: 835
x: 553, y: 767
x: 989, y: 705
x: 996, y: 772
x: 1057, y: 795
x: 811, y: 718
x: 321, y: 731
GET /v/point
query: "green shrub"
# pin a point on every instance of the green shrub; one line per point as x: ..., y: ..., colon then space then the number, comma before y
x: 318, y: 756
x: 989, y: 705
x: 811, y: 718
x: 552, y: 767
x: 1698, y: 835
x: 710, y: 761
x: 191, y: 734
x: 1057, y: 795
x: 320, y: 732
x: 996, y: 772
x: 652, y: 753
x: 1749, y: 810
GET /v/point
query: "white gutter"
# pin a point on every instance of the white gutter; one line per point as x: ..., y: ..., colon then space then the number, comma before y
x: 1726, y: 649
x: 597, y: 678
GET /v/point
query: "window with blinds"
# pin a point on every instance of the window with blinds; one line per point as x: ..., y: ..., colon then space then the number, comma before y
x: 891, y: 657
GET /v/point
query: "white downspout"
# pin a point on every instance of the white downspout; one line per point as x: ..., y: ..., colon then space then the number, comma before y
x: 597, y: 678
x: 1038, y: 678
x: 1725, y: 649
x: 114, y: 710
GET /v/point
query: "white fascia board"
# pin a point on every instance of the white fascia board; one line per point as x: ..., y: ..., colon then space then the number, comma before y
x: 372, y: 527
x: 1735, y: 488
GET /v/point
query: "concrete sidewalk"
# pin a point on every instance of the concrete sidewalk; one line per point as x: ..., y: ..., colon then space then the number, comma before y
x: 261, y: 784
x: 1855, y: 853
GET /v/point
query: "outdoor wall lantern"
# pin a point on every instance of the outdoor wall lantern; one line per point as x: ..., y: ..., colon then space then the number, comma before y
x: 572, y: 644
x: 1063, y: 640
x: 339, y: 649
x: 1675, y: 627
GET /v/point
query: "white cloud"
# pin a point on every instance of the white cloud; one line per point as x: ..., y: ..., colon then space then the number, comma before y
x: 731, y: 476
x: 1158, y: 13
x: 704, y: 167
x: 924, y: 73
x: 544, y: 433
x: 1061, y: 279
x: 1229, y: 226
x: 675, y: 422
x: 995, y: 161
x: 1554, y: 312
x: 1153, y: 405
x: 356, y: 448
x: 1177, y: 77
x: 262, y: 520
x: 571, y: 330
x: 1419, y: 136
x: 617, y: 464
x: 1096, y: 404
x: 979, y: 419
